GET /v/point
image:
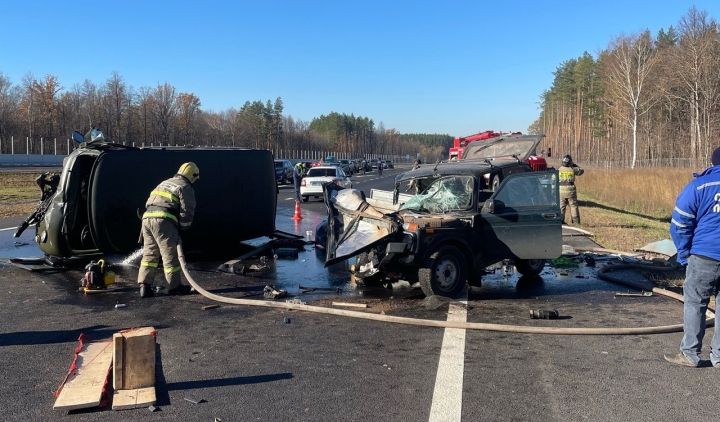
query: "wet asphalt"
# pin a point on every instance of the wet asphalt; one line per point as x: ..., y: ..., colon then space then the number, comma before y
x: 261, y: 364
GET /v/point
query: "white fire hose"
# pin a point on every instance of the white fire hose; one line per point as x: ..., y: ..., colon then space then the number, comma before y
x: 444, y: 324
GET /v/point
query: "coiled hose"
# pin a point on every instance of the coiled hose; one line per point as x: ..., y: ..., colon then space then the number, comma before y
x: 435, y: 323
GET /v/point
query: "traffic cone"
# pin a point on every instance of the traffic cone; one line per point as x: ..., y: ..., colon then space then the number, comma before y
x: 298, y: 213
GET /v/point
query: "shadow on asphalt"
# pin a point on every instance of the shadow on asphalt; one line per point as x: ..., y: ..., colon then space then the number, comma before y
x: 95, y: 332
x: 224, y: 382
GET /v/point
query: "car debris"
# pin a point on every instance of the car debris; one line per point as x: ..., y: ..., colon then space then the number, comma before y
x: 208, y: 307
x: 270, y: 292
x: 641, y: 294
x: 544, y: 314
x: 194, y: 400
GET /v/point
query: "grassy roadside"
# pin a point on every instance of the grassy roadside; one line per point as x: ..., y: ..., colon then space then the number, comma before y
x: 19, y: 194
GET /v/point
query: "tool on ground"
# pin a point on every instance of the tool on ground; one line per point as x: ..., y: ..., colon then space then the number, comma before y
x: 544, y: 314
x: 97, y: 276
x: 643, y: 294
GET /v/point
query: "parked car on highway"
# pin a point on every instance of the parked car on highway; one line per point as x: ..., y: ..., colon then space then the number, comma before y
x: 373, y: 163
x: 389, y: 164
x: 347, y: 167
x: 283, y: 171
x: 312, y: 183
x: 458, y: 224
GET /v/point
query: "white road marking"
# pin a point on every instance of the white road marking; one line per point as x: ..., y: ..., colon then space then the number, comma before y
x: 447, y: 397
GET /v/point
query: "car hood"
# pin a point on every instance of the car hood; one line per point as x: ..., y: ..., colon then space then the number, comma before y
x: 353, y: 225
x: 521, y: 146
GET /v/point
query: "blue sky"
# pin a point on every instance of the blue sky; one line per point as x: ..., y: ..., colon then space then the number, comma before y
x: 455, y: 67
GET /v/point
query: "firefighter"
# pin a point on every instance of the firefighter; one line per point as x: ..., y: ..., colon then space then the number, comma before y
x: 169, y: 210
x: 298, y: 174
x: 568, y: 193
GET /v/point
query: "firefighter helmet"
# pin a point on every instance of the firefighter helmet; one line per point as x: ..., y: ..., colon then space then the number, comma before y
x: 567, y: 160
x: 190, y: 171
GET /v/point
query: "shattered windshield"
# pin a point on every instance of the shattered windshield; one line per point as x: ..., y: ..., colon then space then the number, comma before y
x: 451, y: 193
x: 506, y: 148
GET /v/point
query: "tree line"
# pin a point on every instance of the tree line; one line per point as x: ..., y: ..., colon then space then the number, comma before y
x: 162, y: 115
x: 646, y: 99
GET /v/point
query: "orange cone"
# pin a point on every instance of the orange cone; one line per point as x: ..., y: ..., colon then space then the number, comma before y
x: 298, y: 214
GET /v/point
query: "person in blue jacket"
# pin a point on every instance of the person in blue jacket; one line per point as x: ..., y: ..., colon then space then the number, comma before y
x: 695, y: 230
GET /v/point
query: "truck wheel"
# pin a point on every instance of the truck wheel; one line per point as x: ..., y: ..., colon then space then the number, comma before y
x: 443, y: 274
x: 495, y: 182
x: 530, y: 267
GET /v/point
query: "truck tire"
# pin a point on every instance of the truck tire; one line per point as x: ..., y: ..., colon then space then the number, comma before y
x: 495, y: 182
x: 530, y: 267
x: 443, y: 274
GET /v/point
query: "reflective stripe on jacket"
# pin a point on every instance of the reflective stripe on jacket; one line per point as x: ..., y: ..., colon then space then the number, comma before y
x: 172, y: 199
x: 566, y: 174
x: 696, y: 217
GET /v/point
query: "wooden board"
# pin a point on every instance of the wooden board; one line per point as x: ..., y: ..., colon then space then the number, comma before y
x: 132, y: 399
x: 85, y: 388
x: 134, y: 359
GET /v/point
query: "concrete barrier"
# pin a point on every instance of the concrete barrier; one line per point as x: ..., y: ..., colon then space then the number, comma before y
x: 33, y: 160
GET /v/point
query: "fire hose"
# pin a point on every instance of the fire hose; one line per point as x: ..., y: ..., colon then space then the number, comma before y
x: 446, y: 324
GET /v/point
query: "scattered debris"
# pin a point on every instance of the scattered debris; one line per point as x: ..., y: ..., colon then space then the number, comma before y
x: 154, y: 409
x: 208, y: 307
x: 134, y: 368
x: 350, y: 305
x: 19, y: 244
x: 589, y: 260
x: 84, y: 383
x: 544, y: 314
x: 295, y: 301
x: 286, y: 253
x: 120, y: 305
x: 661, y: 247
x: 642, y: 294
x: 286, y: 320
x: 194, y: 401
x: 270, y: 292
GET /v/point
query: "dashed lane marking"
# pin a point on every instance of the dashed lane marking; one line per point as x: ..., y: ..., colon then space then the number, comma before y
x: 447, y: 396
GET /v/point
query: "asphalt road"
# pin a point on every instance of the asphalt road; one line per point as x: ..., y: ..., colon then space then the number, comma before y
x: 260, y: 364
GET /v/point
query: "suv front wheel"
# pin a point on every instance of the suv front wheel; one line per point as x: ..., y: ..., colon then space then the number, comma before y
x: 443, y: 274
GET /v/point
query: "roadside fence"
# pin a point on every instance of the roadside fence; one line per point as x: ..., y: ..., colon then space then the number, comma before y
x: 42, y: 147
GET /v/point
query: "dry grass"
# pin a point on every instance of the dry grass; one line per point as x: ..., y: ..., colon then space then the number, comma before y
x: 18, y: 194
x: 626, y: 208
x: 650, y: 192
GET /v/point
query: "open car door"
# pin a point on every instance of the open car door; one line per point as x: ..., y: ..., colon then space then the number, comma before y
x: 353, y: 225
x: 524, y: 217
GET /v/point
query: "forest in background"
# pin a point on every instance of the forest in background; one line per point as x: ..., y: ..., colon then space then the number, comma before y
x: 646, y: 100
x: 40, y: 108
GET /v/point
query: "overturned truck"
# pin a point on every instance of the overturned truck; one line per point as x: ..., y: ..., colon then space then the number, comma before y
x: 96, y: 204
x: 466, y: 216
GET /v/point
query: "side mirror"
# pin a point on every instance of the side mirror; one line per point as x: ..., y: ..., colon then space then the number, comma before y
x: 78, y: 137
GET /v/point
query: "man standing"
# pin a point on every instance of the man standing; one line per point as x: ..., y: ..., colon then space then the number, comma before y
x: 169, y: 208
x: 568, y: 193
x: 298, y: 174
x: 694, y: 230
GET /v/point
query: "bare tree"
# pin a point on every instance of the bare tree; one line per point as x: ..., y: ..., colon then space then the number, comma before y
x: 631, y: 63
x: 165, y: 109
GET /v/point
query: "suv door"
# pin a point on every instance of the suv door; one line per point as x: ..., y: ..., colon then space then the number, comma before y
x: 522, y: 219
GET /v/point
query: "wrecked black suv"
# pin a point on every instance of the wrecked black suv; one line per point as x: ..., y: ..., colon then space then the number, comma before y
x: 456, y: 226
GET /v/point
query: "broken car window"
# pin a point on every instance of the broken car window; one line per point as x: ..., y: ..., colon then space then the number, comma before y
x: 451, y: 193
